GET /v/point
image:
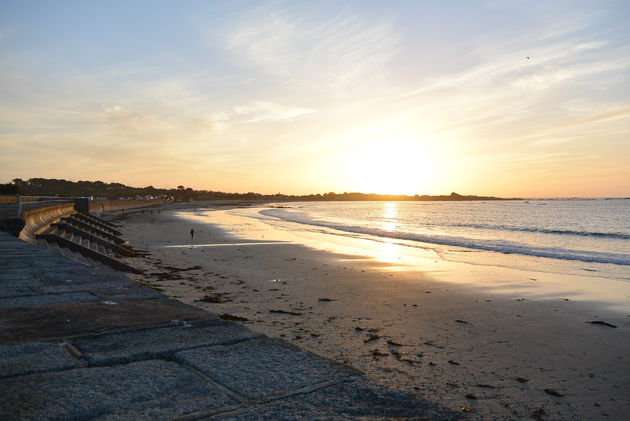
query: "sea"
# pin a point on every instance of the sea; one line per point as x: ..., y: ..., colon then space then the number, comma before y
x: 581, y: 230
x: 578, y: 232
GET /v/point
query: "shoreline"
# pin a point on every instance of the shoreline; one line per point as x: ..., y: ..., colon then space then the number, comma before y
x: 491, y: 352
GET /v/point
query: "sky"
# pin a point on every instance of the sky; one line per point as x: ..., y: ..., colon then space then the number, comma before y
x: 505, y: 98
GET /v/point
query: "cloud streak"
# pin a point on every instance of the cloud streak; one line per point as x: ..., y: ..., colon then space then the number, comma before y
x: 340, y: 52
x: 262, y: 111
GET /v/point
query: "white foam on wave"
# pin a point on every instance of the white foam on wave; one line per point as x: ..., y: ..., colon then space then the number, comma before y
x: 499, y: 246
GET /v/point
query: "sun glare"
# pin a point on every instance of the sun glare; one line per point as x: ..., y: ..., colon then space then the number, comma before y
x: 388, y: 251
x: 397, y: 166
x: 390, y: 216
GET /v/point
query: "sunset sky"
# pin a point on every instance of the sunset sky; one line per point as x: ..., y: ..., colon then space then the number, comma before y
x: 508, y: 98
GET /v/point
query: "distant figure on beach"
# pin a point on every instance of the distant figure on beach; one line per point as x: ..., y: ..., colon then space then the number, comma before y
x: 192, y: 233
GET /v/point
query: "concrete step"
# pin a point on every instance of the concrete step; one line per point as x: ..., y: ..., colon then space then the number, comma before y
x: 88, y: 227
x: 90, y: 252
x: 70, y: 255
x: 95, y: 222
x: 94, y: 263
x: 85, y: 225
x: 83, y: 232
x: 51, y: 230
x: 98, y: 220
x: 53, y: 247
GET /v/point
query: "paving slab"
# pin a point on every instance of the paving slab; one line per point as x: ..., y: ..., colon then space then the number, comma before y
x: 81, y: 275
x: 359, y: 400
x: 21, y: 288
x: 51, y: 260
x: 71, y: 285
x: 144, y: 390
x: 127, y: 292
x: 17, y: 275
x: 45, y: 299
x: 35, y: 357
x: 265, y: 367
x: 16, y: 250
x: 159, y: 342
x: 16, y: 291
x: 64, y: 320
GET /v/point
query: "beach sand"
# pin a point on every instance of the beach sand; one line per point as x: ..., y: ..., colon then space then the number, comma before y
x: 500, y: 354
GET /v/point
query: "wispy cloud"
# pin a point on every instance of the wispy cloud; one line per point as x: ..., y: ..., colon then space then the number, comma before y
x: 531, y: 64
x: 615, y: 113
x: 529, y: 81
x: 262, y: 111
x: 340, y: 51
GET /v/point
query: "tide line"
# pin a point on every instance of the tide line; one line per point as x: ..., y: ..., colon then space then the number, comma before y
x: 261, y: 243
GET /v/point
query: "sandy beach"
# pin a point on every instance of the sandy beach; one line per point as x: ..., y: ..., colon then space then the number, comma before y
x: 494, y: 355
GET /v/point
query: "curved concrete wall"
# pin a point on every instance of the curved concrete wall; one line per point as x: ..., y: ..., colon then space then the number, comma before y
x: 98, y: 206
x: 37, y: 218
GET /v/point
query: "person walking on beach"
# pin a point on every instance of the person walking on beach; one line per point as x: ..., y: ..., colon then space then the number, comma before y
x: 192, y: 233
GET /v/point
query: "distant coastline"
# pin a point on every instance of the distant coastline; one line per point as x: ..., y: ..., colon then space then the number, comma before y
x: 101, y: 190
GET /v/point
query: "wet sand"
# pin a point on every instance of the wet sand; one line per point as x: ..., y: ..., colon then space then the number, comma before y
x: 502, y: 356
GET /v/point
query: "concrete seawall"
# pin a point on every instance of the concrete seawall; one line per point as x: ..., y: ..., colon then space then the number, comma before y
x: 65, y: 227
x: 100, y: 206
x: 31, y: 220
x: 38, y: 218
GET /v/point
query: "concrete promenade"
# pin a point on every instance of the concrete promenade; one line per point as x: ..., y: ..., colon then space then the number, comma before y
x: 78, y: 343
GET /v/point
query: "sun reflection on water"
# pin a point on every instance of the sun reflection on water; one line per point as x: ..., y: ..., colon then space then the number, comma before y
x: 390, y: 216
x: 388, y: 250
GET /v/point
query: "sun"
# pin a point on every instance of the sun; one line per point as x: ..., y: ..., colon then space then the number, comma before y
x: 392, y: 166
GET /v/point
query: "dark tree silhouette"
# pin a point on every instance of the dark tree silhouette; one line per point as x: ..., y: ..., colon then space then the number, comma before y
x: 99, y: 189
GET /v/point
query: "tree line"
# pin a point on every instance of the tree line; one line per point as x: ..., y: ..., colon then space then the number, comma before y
x: 100, y: 189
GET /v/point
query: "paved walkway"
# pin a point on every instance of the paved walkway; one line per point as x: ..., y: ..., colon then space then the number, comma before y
x: 76, y: 343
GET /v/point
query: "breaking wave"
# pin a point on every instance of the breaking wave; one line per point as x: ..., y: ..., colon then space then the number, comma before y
x: 499, y: 246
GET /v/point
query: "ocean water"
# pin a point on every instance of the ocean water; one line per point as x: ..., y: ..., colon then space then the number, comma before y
x: 590, y: 235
